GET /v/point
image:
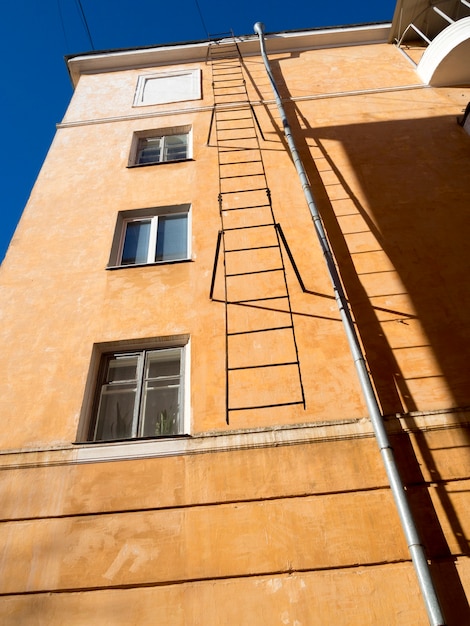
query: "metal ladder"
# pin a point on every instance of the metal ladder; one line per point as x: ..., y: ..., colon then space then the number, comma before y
x: 262, y: 364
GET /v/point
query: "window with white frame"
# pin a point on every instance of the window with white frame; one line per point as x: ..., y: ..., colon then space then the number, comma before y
x: 140, y: 393
x: 161, y: 146
x: 146, y: 236
x: 171, y: 86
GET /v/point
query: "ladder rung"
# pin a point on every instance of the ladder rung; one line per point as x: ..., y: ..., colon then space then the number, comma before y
x: 224, y: 56
x: 221, y: 130
x: 227, y: 80
x: 248, y: 162
x: 258, y: 299
x: 226, y: 95
x: 236, y: 138
x: 229, y: 107
x: 241, y: 162
x: 241, y: 176
x: 226, y: 64
x: 247, y: 227
x: 232, y: 108
x: 244, y: 190
x: 261, y: 330
x: 274, y: 269
x: 218, y: 88
x: 234, y: 119
x: 216, y: 71
x: 254, y: 367
x: 240, y: 86
x: 251, y: 249
x: 247, y: 208
x: 238, y: 191
x: 224, y: 150
x: 263, y: 406
x: 222, y: 49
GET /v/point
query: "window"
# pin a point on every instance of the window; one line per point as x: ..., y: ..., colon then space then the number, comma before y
x: 160, y: 146
x: 159, y: 238
x: 151, y: 236
x: 161, y: 149
x: 174, y: 86
x: 140, y: 394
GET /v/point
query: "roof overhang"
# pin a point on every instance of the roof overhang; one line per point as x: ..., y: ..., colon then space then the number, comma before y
x: 196, y: 51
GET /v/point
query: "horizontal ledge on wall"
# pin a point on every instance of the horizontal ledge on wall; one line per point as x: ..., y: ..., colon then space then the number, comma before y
x: 226, y: 441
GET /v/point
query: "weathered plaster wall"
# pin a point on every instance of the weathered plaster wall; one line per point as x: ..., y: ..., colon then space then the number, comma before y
x: 272, y: 534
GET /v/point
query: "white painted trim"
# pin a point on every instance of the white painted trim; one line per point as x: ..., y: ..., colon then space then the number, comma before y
x: 168, y: 95
x: 434, y: 67
x: 195, y: 52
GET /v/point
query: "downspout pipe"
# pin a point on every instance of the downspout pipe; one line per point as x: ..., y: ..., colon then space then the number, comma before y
x: 415, y: 546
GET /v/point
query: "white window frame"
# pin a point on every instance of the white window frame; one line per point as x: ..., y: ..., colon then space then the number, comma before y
x: 101, y: 354
x: 167, y: 96
x: 160, y: 133
x: 152, y: 215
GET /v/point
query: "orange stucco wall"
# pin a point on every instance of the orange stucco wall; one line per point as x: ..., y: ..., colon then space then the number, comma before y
x: 284, y: 515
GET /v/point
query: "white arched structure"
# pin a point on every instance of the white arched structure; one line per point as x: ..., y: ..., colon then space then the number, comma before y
x: 446, y: 60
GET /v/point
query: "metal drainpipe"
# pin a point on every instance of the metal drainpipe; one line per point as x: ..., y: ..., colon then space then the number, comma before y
x: 415, y: 547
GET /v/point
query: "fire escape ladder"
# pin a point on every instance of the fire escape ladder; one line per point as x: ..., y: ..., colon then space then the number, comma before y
x: 262, y: 363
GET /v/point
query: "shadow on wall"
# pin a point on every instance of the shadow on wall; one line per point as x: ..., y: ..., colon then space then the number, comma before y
x: 406, y: 241
x: 403, y: 238
x: 395, y: 201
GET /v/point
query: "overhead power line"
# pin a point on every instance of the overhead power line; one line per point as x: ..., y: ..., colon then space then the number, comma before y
x: 202, y: 19
x: 85, y: 23
x: 61, y: 17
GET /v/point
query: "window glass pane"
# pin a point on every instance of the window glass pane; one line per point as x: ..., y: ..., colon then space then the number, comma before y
x: 122, y: 368
x: 140, y: 395
x: 149, y: 150
x: 163, y: 363
x: 175, y: 147
x: 115, y: 412
x: 161, y: 393
x: 136, y: 243
x: 172, y: 237
x: 161, y: 409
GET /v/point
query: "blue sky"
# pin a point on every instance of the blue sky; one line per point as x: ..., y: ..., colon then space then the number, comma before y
x: 36, y: 34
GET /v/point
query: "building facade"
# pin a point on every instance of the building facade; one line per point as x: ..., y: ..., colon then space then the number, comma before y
x: 184, y: 436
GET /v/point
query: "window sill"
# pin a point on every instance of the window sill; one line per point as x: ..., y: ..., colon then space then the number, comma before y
x: 168, y: 445
x: 107, y: 442
x: 124, y: 267
x: 132, y: 166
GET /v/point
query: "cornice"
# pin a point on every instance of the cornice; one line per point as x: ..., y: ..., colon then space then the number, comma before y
x: 196, y: 51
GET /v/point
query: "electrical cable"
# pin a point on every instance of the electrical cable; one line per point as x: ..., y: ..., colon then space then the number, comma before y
x: 82, y: 13
x: 61, y: 17
x: 202, y: 19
